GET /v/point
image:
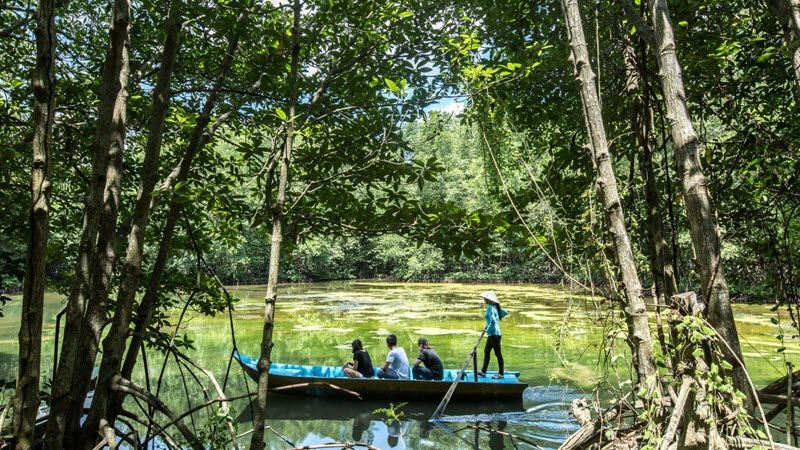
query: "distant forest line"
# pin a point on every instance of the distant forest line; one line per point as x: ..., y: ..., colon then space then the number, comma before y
x: 468, y: 181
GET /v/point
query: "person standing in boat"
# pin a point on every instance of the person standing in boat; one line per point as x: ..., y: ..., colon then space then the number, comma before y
x: 361, y: 367
x: 433, y: 369
x: 396, y: 365
x: 494, y: 314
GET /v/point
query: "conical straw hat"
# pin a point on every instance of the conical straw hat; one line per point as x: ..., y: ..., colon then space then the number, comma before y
x: 491, y: 296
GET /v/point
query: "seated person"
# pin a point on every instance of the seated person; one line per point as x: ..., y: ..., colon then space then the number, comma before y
x: 361, y: 367
x: 396, y: 365
x: 433, y: 369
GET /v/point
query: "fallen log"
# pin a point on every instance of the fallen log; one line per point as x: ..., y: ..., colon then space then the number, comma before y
x: 778, y: 399
x: 779, y: 385
x: 743, y: 443
x: 773, y: 413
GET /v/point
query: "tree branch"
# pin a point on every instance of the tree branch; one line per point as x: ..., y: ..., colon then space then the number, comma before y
x: 122, y: 385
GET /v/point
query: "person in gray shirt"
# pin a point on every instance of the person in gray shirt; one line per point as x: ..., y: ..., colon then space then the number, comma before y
x: 396, y: 365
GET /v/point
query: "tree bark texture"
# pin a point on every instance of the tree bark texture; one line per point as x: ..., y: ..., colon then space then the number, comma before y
x: 260, y: 410
x: 637, y: 88
x: 99, y: 207
x: 796, y: 43
x: 26, y: 396
x: 114, y: 343
x: 635, y: 311
x: 149, y: 303
x: 95, y: 318
x: 788, y: 14
x: 697, y: 197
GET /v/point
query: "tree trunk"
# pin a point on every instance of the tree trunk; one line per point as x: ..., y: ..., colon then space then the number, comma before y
x: 697, y: 197
x: 95, y: 318
x: 260, y: 410
x: 637, y: 88
x: 147, y: 307
x: 635, y: 311
x: 114, y: 343
x: 796, y: 43
x: 26, y: 396
x: 788, y: 14
x: 661, y: 269
x: 109, y: 143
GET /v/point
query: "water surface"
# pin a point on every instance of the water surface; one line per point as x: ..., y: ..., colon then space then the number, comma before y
x: 552, y: 336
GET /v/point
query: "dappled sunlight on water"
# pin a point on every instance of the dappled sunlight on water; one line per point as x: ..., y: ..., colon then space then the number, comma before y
x: 552, y: 336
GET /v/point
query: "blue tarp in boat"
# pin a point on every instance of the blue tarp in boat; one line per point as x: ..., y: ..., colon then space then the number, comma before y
x: 328, y: 372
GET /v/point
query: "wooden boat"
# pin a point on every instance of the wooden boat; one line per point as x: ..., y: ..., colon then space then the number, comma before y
x: 326, y: 381
x: 283, y: 406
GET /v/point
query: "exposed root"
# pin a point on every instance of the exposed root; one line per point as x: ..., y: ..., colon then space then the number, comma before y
x: 590, y: 432
x: 705, y: 413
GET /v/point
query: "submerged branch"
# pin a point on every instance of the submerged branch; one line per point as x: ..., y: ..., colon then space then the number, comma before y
x: 122, y: 385
x: 341, y: 445
x: 317, y: 383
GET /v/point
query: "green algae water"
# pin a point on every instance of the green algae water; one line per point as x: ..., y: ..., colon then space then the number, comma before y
x: 553, y: 336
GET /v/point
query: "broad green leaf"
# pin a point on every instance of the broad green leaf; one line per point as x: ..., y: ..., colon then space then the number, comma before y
x: 392, y: 85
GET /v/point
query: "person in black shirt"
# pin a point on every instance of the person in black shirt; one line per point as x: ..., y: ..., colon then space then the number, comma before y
x: 433, y: 369
x: 361, y: 367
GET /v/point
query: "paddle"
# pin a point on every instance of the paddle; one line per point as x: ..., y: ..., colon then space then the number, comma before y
x: 446, y: 399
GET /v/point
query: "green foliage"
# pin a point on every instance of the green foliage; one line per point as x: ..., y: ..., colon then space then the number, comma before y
x: 409, y: 262
x: 463, y: 231
x: 393, y: 413
x: 317, y: 259
x: 381, y: 186
x: 215, y: 435
x: 372, y: 159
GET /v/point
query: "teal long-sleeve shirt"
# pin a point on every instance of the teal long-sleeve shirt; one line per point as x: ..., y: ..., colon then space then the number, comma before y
x: 493, y: 320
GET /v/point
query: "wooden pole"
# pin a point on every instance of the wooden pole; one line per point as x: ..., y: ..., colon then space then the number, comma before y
x: 55, y: 343
x: 789, y: 406
x: 677, y: 414
x: 446, y: 399
x: 475, y: 365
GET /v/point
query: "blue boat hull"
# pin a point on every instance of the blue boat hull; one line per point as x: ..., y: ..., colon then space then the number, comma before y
x: 326, y: 381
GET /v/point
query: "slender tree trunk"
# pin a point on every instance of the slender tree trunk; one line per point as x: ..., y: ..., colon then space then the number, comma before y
x: 796, y: 43
x: 147, y: 307
x: 114, y: 343
x: 697, y: 197
x: 109, y: 143
x: 788, y: 14
x: 637, y: 89
x: 95, y: 318
x: 26, y: 396
x: 259, y: 412
x: 635, y: 311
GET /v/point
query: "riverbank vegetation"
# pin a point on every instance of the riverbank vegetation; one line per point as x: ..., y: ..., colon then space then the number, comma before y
x: 609, y: 147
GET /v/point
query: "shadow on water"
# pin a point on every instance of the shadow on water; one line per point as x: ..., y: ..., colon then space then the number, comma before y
x: 541, y: 420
